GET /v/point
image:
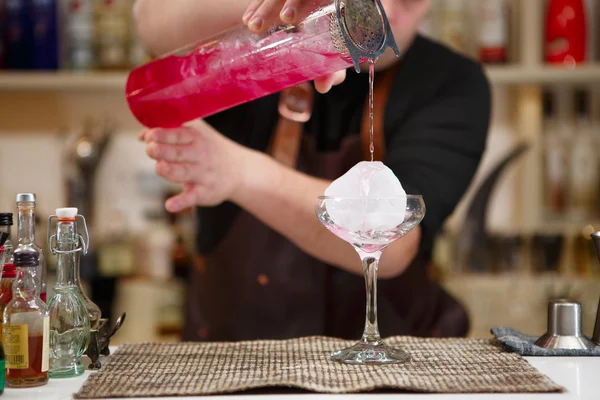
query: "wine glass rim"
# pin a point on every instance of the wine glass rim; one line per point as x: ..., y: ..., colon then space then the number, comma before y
x: 407, y: 196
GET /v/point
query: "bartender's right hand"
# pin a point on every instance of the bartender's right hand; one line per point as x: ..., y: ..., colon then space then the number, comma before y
x: 210, y: 167
x: 262, y: 14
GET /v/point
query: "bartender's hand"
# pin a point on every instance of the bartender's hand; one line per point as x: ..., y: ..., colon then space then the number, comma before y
x: 261, y: 14
x: 206, y: 163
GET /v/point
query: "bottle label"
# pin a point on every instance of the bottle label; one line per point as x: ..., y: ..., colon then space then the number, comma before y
x: 16, y: 346
x: 46, y: 345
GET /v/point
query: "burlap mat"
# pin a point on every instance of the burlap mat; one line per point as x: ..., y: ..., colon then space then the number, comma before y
x: 188, y: 369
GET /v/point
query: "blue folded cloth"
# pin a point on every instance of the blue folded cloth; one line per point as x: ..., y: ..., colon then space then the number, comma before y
x: 517, y: 342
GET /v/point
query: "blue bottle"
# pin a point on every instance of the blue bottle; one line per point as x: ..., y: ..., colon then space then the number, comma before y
x: 18, y: 43
x: 45, y: 34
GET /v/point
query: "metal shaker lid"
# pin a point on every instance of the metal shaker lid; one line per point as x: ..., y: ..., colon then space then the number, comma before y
x: 361, y: 29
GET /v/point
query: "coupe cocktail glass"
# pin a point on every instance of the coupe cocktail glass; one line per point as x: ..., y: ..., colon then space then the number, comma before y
x: 370, y: 224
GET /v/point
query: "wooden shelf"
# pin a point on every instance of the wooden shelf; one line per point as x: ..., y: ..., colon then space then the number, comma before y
x: 115, y: 81
x: 517, y: 75
x: 62, y: 81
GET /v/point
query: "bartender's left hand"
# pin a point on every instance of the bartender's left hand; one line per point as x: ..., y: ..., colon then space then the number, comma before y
x: 205, y: 162
x: 262, y: 14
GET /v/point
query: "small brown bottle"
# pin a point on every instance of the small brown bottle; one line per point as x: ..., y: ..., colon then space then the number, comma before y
x: 26, y: 327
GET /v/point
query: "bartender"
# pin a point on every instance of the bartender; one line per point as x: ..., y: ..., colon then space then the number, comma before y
x: 269, y: 269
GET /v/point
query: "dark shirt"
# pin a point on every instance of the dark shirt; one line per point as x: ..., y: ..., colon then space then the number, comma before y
x: 435, y: 127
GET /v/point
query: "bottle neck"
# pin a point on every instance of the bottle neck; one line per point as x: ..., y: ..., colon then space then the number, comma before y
x: 25, y: 284
x: 67, y: 240
x: 26, y: 224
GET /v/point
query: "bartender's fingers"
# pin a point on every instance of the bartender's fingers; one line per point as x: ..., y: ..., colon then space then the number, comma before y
x: 186, y: 199
x: 289, y: 12
x: 324, y: 84
x: 250, y: 10
x: 182, y: 135
x: 176, y: 153
x: 264, y: 14
x: 177, y: 172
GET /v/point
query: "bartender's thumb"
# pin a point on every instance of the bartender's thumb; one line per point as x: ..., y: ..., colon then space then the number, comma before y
x: 325, y: 83
x: 186, y: 199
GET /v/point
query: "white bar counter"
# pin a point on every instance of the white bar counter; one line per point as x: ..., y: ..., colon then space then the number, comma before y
x: 580, y: 376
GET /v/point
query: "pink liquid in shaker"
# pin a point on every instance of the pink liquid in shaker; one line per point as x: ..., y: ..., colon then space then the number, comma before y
x: 172, y: 90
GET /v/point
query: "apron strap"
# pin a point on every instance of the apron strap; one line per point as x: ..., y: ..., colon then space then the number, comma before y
x: 295, y: 108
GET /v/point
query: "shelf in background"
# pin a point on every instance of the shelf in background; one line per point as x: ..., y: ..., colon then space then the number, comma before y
x: 115, y: 81
x: 515, y: 75
x: 62, y: 81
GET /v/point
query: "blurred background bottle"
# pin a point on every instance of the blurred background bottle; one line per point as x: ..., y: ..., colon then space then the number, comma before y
x: 77, y: 35
x: 44, y: 17
x: 112, y: 34
x: 583, y: 173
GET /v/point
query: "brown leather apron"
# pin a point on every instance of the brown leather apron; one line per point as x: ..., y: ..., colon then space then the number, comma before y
x: 256, y: 284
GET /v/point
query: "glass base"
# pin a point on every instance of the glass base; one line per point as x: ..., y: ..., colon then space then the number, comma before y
x: 27, y: 382
x: 370, y: 353
x: 67, y: 371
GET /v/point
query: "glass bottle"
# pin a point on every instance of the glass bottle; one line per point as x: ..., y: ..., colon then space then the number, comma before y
x: 556, y: 159
x: 584, y: 176
x: 93, y: 311
x: 69, y: 321
x: 493, y: 36
x: 9, y: 274
x: 452, y: 25
x: 111, y: 22
x: 2, y: 369
x: 44, y: 21
x: 26, y: 236
x: 26, y: 326
x: 6, y: 222
x: 77, y: 35
x: 8, y: 271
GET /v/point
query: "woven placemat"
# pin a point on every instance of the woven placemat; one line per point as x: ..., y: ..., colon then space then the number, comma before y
x: 188, y: 369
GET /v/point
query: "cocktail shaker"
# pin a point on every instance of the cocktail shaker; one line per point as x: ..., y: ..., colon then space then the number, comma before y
x: 238, y: 66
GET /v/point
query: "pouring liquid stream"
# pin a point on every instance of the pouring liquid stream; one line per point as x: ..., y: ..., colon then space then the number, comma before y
x: 371, y: 81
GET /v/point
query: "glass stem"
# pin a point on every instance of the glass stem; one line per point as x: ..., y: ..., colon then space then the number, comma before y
x: 370, y: 262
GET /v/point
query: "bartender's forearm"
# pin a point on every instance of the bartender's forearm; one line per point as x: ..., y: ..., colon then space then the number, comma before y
x: 285, y: 199
x: 168, y: 25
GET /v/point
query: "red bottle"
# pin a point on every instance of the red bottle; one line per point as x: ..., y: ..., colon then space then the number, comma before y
x: 566, y: 32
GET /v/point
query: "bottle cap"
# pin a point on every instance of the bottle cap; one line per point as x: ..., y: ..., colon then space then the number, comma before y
x: 66, y: 212
x: 26, y: 259
x: 26, y: 198
x: 6, y: 219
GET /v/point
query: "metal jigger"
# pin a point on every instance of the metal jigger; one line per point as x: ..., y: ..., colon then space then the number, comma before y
x: 596, y: 335
x: 564, y: 327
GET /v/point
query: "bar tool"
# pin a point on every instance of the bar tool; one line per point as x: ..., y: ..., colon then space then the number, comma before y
x: 473, y: 244
x: 596, y: 335
x: 100, y: 341
x: 564, y: 327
